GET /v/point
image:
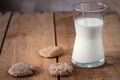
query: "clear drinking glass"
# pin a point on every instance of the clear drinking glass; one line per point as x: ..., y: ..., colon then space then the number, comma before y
x: 88, y: 51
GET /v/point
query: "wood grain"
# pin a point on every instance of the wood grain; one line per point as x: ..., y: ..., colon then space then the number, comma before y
x: 26, y: 35
x: 111, y: 38
x: 3, y: 23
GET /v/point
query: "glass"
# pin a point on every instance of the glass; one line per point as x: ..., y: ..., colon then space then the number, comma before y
x: 88, y: 51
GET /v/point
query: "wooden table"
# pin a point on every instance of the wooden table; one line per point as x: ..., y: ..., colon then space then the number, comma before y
x: 23, y: 34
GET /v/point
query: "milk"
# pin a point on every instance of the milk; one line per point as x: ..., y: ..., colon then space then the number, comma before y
x: 88, y: 46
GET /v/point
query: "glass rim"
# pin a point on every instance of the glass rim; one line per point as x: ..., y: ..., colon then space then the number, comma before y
x: 97, y: 10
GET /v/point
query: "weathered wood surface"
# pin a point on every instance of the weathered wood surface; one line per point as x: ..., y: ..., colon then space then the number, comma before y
x: 111, y: 38
x: 26, y: 35
x: 29, y: 32
x: 3, y: 24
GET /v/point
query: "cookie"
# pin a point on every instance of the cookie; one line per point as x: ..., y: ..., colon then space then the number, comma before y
x: 60, y: 69
x: 51, y: 51
x: 21, y: 70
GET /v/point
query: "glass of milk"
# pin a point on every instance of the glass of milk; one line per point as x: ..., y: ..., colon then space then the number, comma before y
x: 88, y: 51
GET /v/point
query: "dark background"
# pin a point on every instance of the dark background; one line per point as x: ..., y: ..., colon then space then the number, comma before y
x: 49, y: 5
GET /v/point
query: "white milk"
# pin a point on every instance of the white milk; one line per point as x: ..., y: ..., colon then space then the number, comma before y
x: 88, y: 46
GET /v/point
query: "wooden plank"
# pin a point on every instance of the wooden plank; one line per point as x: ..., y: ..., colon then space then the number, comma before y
x: 26, y: 35
x: 3, y: 23
x: 111, y: 38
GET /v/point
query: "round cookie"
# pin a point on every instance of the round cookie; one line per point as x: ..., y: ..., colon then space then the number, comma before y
x: 60, y: 69
x: 51, y: 51
x: 21, y: 69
